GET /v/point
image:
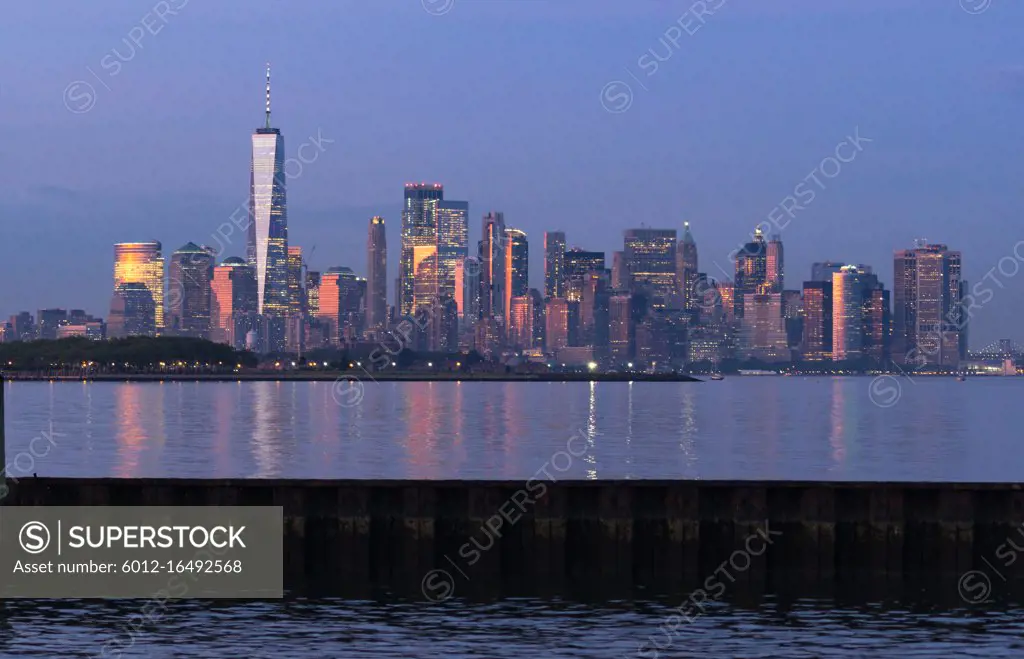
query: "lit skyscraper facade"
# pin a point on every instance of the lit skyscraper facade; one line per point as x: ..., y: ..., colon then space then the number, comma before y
x: 452, y: 242
x: 763, y: 329
x: 188, y: 295
x: 751, y: 271
x: 651, y: 262
x: 520, y: 325
x: 492, y: 266
x: 554, y: 264
x: 726, y: 292
x: 860, y: 315
x: 376, y: 275
x: 686, y: 268
x: 339, y: 303
x: 577, y: 264
x: 142, y: 263
x: 233, y: 301
x: 847, y: 314
x: 517, y: 265
x: 817, y: 330
x: 296, y: 294
x: 268, y: 227
x: 929, y: 324
x: 556, y: 324
x: 418, y: 278
x: 774, y: 266
x: 312, y: 292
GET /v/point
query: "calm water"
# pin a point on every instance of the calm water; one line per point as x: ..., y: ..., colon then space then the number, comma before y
x: 515, y: 629
x: 742, y: 427
x: 808, y: 428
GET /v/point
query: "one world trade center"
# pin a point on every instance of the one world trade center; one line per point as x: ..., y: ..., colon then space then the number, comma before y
x: 267, y: 249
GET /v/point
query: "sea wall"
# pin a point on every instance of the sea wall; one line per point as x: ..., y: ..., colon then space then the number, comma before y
x: 440, y: 537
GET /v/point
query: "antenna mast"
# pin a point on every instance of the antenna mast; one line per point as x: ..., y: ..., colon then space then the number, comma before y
x: 268, y: 94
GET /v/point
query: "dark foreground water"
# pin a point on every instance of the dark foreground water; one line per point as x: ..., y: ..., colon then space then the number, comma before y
x: 515, y: 629
x: 742, y: 427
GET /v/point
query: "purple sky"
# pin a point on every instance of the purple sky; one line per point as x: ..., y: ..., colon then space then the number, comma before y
x: 501, y: 100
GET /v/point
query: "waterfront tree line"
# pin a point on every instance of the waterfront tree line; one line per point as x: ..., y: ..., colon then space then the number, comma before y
x: 131, y: 355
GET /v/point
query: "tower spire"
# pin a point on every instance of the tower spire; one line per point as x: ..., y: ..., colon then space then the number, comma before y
x: 268, y: 94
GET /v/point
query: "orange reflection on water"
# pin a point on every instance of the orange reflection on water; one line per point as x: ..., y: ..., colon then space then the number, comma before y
x: 129, y: 432
x: 837, y: 430
x: 420, y: 438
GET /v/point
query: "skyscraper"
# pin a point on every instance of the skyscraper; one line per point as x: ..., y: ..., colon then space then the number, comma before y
x: 520, y: 325
x: 132, y: 311
x: 268, y: 227
x: 452, y: 242
x: 651, y: 263
x: 774, y: 266
x: 763, y: 329
x: 418, y: 266
x: 50, y: 320
x: 313, y: 293
x: 188, y: 294
x: 593, y: 310
x: 793, y: 317
x: 929, y: 321
x: 233, y: 302
x: 751, y: 270
x: 726, y: 291
x: 577, y: 264
x: 517, y: 265
x: 686, y: 268
x: 847, y: 314
x: 860, y: 316
x: 296, y: 293
x: 376, y: 275
x: 538, y: 318
x: 492, y: 266
x: 142, y: 263
x: 621, y: 329
x: 443, y: 326
x: 470, y: 305
x: 339, y: 303
x: 620, y: 271
x: 23, y: 327
x: 556, y: 322
x: 877, y: 324
x: 817, y: 331
x: 554, y: 264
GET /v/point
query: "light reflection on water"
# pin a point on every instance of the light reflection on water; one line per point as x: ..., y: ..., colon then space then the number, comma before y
x: 510, y: 628
x: 812, y: 428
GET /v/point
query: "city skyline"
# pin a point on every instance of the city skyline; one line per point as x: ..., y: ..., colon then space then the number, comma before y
x: 846, y: 306
x: 590, y: 171
x: 651, y: 305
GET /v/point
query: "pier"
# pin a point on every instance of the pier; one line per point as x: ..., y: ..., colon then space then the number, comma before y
x: 490, y: 536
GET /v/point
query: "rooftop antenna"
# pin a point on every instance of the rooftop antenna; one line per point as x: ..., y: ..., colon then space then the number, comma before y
x: 268, y: 95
